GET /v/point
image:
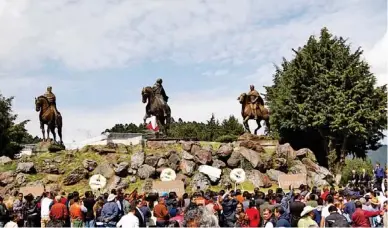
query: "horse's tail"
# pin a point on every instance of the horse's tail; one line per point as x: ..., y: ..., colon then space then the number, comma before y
x: 59, y: 122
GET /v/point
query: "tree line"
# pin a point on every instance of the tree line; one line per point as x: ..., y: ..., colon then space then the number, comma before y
x: 226, y: 130
x: 325, y: 98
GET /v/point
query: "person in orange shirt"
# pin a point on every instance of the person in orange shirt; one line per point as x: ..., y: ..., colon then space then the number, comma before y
x: 161, y: 213
x: 76, y: 212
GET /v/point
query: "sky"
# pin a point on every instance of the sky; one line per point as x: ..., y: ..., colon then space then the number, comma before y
x: 98, y: 54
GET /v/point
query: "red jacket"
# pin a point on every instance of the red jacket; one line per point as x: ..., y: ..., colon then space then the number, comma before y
x: 360, y: 217
x: 254, y: 217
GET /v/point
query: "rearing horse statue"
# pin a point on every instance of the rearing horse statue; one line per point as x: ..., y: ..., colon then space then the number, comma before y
x: 155, y: 108
x: 47, y: 117
x: 248, y: 114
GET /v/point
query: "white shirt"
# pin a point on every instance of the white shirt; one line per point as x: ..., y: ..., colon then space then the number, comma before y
x: 45, y: 207
x: 11, y: 224
x: 128, y: 221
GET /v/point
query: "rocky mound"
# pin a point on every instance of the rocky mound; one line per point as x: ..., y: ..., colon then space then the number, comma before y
x: 197, y: 164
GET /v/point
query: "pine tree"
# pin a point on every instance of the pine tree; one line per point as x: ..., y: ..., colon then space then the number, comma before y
x: 328, y: 94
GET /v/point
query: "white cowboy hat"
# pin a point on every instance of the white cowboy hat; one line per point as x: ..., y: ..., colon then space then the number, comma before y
x: 111, y: 197
x: 306, y: 210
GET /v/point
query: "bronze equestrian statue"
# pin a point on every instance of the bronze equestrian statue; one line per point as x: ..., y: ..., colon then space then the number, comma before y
x: 253, y: 108
x: 49, y: 114
x: 157, y: 105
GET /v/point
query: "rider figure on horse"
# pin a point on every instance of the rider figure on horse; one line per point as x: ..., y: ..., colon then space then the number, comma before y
x: 254, y: 98
x: 161, y: 94
x: 52, y: 101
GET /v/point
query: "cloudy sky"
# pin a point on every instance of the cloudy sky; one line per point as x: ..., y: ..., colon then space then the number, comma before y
x: 98, y: 54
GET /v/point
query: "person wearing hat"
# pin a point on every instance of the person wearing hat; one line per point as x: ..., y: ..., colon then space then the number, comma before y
x: 110, y: 211
x: 307, y: 216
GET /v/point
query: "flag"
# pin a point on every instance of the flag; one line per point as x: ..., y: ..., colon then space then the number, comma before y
x: 152, y: 128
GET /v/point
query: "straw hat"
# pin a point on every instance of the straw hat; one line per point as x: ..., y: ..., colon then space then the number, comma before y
x: 111, y: 197
x: 306, y: 210
x: 374, y: 201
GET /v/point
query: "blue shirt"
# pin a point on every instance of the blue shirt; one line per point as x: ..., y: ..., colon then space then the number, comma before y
x: 379, y: 172
x: 110, y: 211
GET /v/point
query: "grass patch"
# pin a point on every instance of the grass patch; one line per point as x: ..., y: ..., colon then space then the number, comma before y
x: 214, y: 145
x: 8, y: 167
x: 35, y: 177
x: 171, y: 147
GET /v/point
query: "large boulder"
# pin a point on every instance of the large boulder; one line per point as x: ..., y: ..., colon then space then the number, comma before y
x: 52, y: 169
x: 137, y: 159
x: 200, y: 181
x: 26, y: 167
x: 225, y: 150
x: 203, y: 157
x: 187, y: 167
x: 145, y: 171
x: 187, y: 155
x: 280, y: 164
x: 297, y: 167
x: 195, y: 147
x: 21, y: 179
x: 105, y: 169
x: 89, y: 164
x: 186, y: 145
x: 218, y: 164
x: 285, y: 151
x: 253, y: 145
x: 173, y: 161
x: 235, y: 159
x: 316, y: 179
x: 121, y: 169
x: 274, y: 174
x: 213, y: 173
x: 305, y: 153
x: 250, y: 155
x: 310, y: 165
x: 6, y: 177
x: 152, y: 160
x: 75, y: 176
x: 5, y: 160
x: 258, y: 179
x: 162, y: 162
x: 118, y: 183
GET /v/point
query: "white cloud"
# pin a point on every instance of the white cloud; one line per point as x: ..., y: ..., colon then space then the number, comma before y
x: 95, y: 34
x: 377, y: 58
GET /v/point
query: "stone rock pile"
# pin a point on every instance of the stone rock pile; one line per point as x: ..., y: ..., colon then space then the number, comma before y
x: 196, y: 165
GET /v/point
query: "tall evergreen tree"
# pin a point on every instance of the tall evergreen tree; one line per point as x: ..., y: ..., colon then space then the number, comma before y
x: 327, y: 97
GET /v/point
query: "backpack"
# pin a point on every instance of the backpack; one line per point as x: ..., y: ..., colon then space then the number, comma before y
x: 337, y: 220
x: 173, y: 212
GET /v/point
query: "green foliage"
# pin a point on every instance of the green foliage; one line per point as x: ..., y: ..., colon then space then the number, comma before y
x: 328, y: 93
x: 211, y: 130
x: 12, y: 134
x: 355, y: 164
x: 126, y: 128
x: 226, y: 138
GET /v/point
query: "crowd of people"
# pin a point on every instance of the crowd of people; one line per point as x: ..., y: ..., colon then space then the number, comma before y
x: 355, y: 205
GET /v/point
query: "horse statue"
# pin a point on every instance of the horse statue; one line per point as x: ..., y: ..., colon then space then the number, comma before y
x: 47, y: 117
x: 247, y: 114
x: 155, y: 108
